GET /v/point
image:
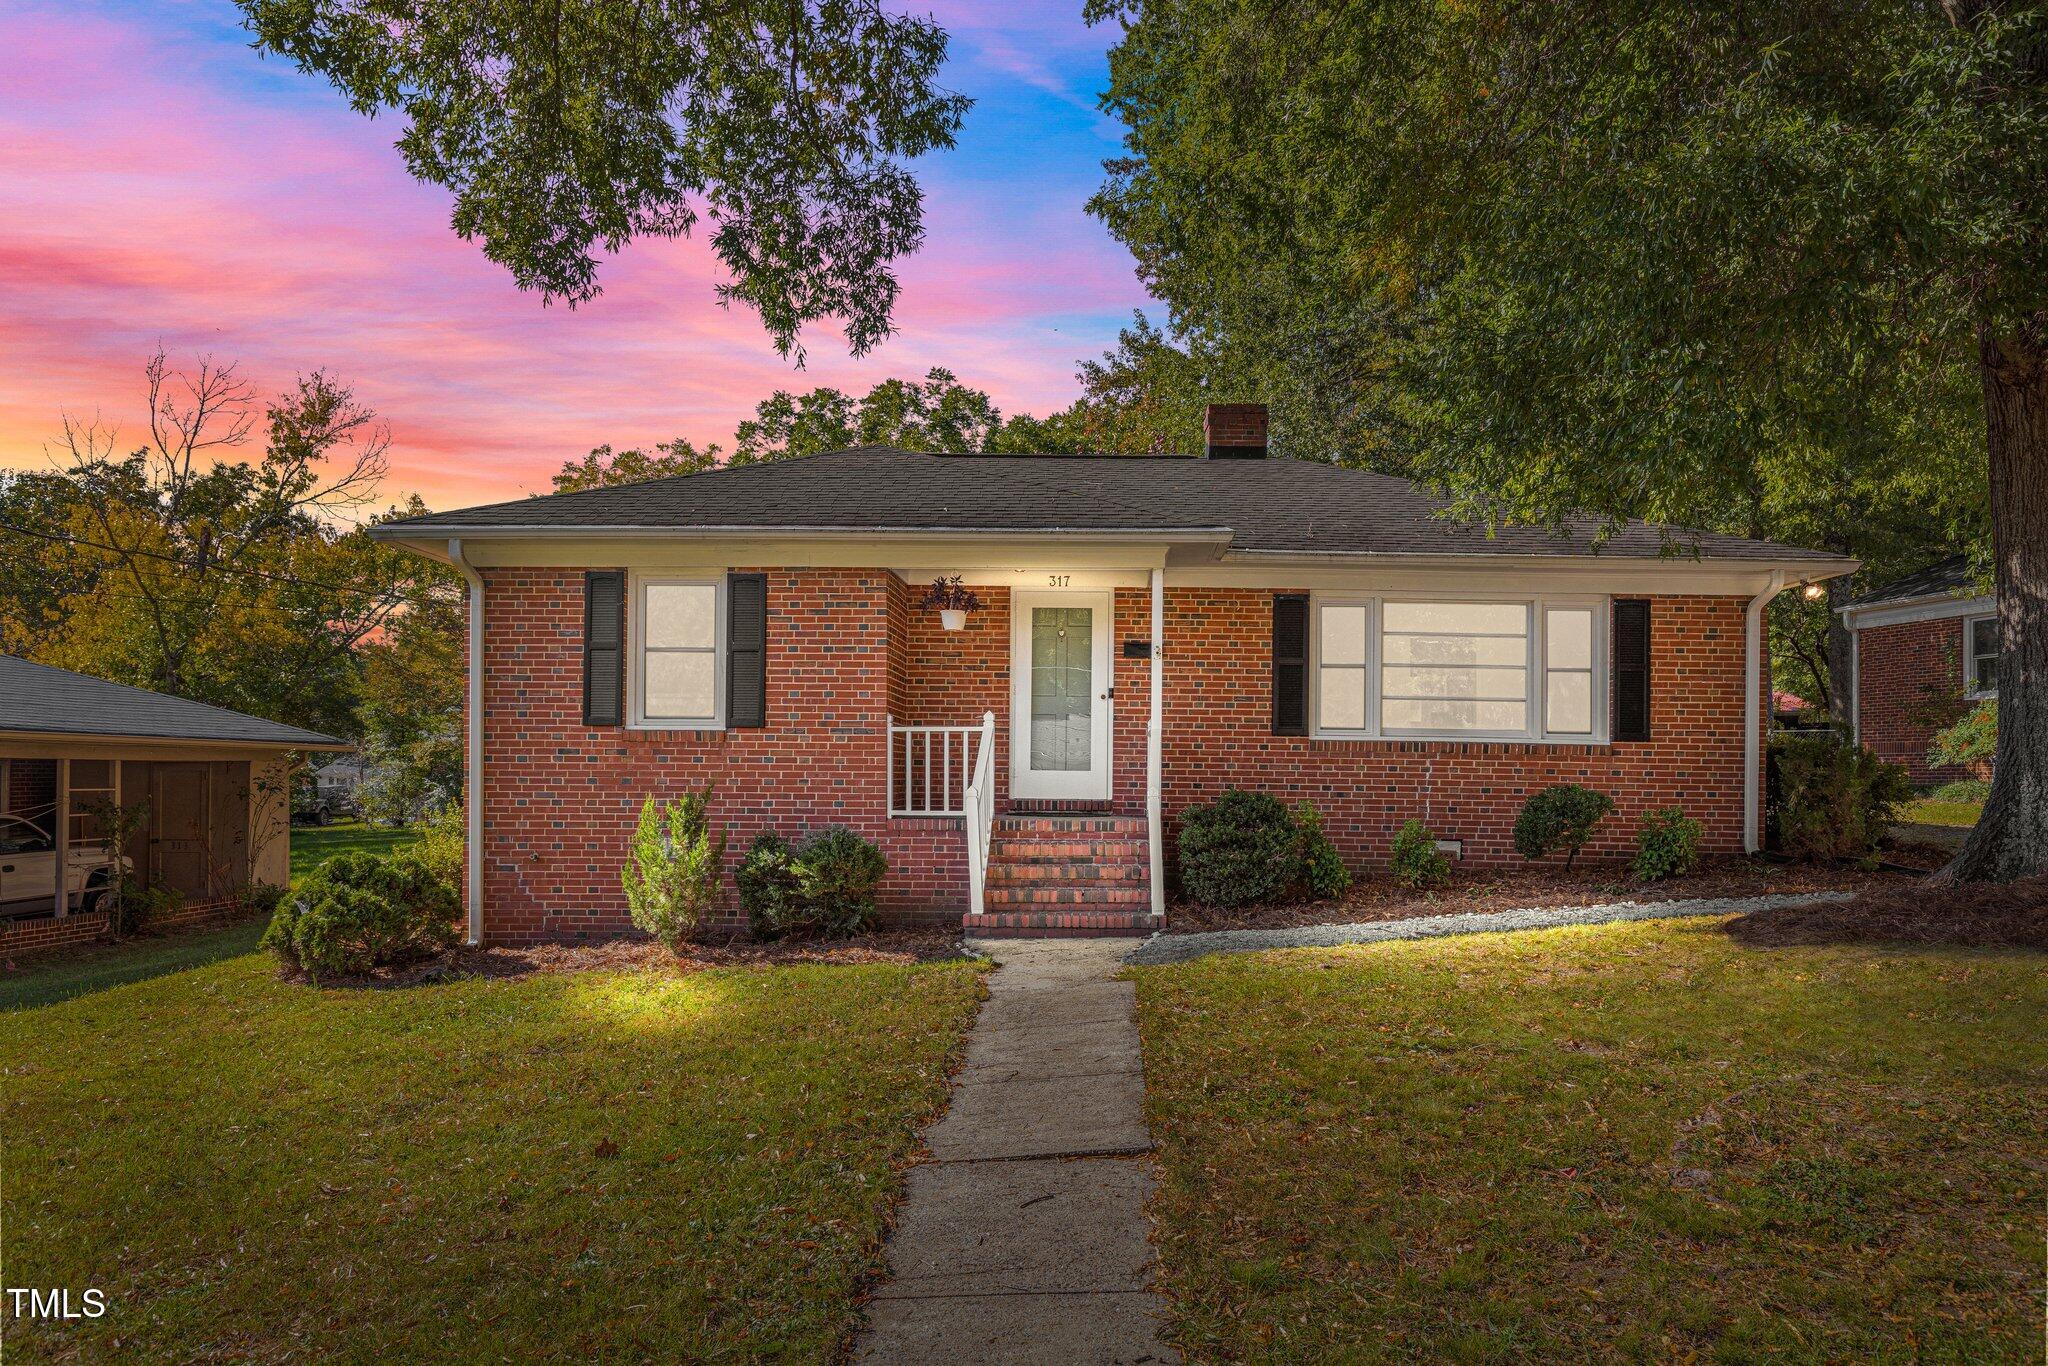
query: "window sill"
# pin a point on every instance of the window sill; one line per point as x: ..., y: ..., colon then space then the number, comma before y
x: 1984, y: 695
x: 687, y: 727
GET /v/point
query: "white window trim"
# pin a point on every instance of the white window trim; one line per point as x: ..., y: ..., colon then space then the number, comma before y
x: 1971, y: 690
x: 636, y: 659
x: 1538, y: 674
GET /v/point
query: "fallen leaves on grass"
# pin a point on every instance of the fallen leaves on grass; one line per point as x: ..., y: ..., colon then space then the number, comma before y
x: 1984, y: 914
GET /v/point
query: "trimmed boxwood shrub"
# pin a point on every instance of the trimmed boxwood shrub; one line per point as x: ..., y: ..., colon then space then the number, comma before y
x: 1834, y: 799
x: 1415, y: 861
x: 1667, y: 845
x: 825, y: 888
x: 1559, y: 817
x: 1240, y: 850
x: 362, y: 911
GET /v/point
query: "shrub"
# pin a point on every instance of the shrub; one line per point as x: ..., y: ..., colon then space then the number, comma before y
x: 837, y: 874
x: 1971, y: 740
x: 671, y: 874
x: 1415, y: 861
x: 1963, y: 790
x: 253, y: 897
x: 1834, y: 799
x: 1667, y: 845
x: 1242, y: 849
x: 356, y: 912
x: 443, y: 846
x: 827, y: 887
x: 770, y: 891
x: 1560, y: 817
x: 1323, y: 874
x: 130, y: 906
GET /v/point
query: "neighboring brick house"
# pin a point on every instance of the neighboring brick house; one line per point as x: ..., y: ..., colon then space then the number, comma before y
x: 1294, y: 627
x: 1925, y: 649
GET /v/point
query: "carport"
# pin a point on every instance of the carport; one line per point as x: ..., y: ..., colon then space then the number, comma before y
x: 217, y: 784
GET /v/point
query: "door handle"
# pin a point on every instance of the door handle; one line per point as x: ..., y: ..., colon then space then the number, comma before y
x: 1111, y: 693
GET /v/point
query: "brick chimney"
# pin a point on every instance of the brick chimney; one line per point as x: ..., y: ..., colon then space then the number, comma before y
x: 1234, y: 431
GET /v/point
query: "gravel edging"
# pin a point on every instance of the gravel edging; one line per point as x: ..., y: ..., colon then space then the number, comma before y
x: 1179, y: 948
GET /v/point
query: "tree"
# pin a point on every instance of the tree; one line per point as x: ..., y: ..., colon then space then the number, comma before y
x: 603, y: 468
x: 179, y: 568
x: 1639, y: 260
x: 569, y: 127
x: 937, y: 413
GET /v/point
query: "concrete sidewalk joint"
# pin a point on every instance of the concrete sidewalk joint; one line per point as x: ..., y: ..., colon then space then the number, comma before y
x: 1023, y: 1237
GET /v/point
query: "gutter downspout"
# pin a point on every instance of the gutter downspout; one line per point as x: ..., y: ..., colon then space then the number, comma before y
x: 473, y: 759
x: 1154, y: 739
x: 1752, y: 727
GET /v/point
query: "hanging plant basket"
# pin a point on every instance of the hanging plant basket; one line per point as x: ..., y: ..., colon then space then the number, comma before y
x: 951, y: 601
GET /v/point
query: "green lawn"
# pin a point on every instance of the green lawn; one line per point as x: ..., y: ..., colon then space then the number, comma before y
x: 1928, y: 811
x: 259, y: 1170
x: 313, y: 845
x: 95, y: 967
x: 1637, y: 1141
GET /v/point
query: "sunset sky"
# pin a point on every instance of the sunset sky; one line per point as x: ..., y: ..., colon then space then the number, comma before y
x: 165, y: 184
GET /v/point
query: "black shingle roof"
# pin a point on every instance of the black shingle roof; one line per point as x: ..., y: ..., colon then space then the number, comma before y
x: 1950, y: 578
x: 1288, y: 506
x: 36, y: 697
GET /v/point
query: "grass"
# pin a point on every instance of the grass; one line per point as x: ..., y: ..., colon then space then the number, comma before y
x: 1928, y: 811
x: 313, y: 845
x: 49, y: 979
x: 596, y: 1165
x: 1624, y: 1141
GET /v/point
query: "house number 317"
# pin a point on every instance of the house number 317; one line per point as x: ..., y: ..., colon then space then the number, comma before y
x: 1058, y: 580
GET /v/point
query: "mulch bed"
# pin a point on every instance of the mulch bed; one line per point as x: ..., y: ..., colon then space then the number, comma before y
x: 925, y: 944
x: 1983, y: 914
x: 1546, y: 885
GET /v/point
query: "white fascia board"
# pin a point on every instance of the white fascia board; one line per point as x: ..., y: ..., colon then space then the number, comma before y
x: 1918, y: 609
x: 1521, y: 574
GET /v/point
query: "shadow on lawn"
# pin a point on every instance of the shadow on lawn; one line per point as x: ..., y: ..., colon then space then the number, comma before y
x: 81, y: 972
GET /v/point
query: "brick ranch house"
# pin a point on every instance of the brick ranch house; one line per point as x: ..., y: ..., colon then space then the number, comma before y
x: 1924, y: 650
x: 1152, y: 630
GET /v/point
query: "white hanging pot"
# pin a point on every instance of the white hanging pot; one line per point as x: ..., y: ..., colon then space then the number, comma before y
x: 952, y: 618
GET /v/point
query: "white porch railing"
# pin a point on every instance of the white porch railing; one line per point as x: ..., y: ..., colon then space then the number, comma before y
x: 930, y: 768
x: 980, y: 809
x: 948, y: 771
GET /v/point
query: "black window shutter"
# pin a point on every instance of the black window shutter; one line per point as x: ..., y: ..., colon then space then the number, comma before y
x: 1290, y: 663
x: 1631, y: 669
x: 746, y: 650
x: 604, y: 647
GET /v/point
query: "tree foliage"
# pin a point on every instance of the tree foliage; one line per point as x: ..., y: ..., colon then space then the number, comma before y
x: 1776, y: 269
x: 568, y: 128
x: 178, y: 566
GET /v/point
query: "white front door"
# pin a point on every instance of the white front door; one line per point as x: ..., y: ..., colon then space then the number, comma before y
x: 1060, y: 682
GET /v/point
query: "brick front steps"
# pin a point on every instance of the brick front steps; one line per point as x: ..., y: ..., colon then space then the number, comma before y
x: 1066, y: 875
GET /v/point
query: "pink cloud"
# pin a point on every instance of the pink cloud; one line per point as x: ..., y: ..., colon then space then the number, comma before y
x: 152, y: 201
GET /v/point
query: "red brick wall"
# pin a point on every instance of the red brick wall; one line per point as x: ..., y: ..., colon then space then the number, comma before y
x: 561, y: 798
x: 50, y: 932
x: 1217, y: 643
x: 846, y: 649
x: 1909, y: 680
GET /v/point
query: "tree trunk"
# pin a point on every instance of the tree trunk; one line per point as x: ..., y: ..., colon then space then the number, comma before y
x: 1841, y: 698
x: 2011, y: 840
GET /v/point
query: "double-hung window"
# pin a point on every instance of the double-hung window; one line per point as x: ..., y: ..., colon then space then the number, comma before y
x: 677, y: 660
x: 1980, y: 665
x: 1404, y: 667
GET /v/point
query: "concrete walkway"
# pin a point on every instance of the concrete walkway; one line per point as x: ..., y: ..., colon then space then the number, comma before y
x: 1023, y: 1238
x: 1178, y: 948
